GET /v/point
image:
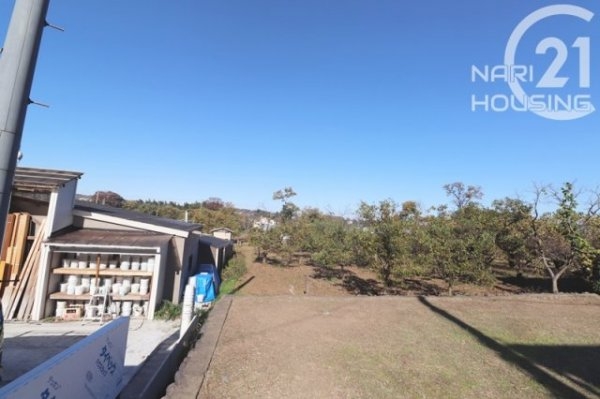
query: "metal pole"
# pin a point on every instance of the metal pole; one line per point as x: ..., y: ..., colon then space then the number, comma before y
x: 17, y: 65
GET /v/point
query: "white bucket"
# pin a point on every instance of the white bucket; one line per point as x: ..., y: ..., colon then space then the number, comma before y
x: 90, y: 311
x: 135, y: 288
x: 143, y: 290
x: 86, y: 281
x: 66, y: 262
x: 137, y: 310
x: 79, y: 289
x: 124, y: 289
x: 115, y: 307
x: 61, y: 304
x: 151, y: 264
x: 74, y: 264
x: 71, y: 289
x: 112, y: 264
x: 126, y: 308
x: 63, y: 287
x: 116, y: 287
x: 125, y: 265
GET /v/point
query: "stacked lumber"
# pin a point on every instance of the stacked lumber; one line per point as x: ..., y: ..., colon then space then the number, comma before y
x: 13, y: 247
x: 20, y: 268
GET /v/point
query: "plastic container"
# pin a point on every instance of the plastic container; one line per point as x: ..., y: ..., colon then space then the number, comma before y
x: 151, y: 264
x: 126, y: 308
x: 135, y: 288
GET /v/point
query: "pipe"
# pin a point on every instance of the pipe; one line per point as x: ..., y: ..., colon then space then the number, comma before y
x: 17, y: 66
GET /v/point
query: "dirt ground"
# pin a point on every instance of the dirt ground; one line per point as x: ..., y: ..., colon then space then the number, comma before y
x: 292, y: 332
x: 531, y: 346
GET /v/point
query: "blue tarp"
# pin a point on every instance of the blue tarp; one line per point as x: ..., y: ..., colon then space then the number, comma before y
x: 205, y: 288
x: 207, y: 284
x: 212, y: 269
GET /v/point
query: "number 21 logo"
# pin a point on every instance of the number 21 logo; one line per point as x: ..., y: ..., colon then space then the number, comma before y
x: 551, y: 79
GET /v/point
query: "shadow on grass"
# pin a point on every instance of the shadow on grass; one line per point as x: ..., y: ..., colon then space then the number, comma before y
x: 239, y: 287
x: 420, y: 286
x: 349, y: 281
x: 567, y: 361
x: 576, y: 363
x: 544, y: 284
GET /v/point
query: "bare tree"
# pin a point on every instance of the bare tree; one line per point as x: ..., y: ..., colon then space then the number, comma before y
x: 463, y: 195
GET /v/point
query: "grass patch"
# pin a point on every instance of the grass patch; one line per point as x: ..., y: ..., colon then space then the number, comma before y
x: 168, y: 311
x: 232, y: 273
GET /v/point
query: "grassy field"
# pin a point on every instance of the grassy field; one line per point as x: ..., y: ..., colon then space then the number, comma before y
x: 525, y: 346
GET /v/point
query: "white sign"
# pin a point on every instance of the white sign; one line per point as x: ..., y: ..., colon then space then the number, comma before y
x: 92, y: 368
x: 546, y: 96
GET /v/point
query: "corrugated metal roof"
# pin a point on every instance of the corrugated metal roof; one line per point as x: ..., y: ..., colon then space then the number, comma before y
x: 136, y: 216
x: 215, y: 242
x: 114, y: 238
x: 42, y: 180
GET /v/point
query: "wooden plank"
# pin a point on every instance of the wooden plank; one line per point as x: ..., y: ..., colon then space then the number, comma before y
x: 20, y: 244
x: 34, y: 264
x: 29, y: 288
x: 11, y: 244
x: 8, y: 232
x: 27, y: 279
x: 7, y: 293
x: 23, y: 233
x: 86, y: 297
x: 101, y: 272
x: 2, y: 270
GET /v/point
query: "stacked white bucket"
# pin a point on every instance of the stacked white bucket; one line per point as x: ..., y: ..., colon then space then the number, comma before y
x: 126, y: 308
x: 144, y: 286
x: 78, y: 285
x: 60, y: 308
x: 188, y: 306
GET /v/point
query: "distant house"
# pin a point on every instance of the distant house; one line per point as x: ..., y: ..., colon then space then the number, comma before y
x: 264, y: 224
x: 222, y: 232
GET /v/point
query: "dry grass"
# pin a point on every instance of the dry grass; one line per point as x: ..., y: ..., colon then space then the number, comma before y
x: 533, y: 346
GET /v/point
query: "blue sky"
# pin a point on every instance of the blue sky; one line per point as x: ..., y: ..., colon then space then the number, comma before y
x: 342, y: 100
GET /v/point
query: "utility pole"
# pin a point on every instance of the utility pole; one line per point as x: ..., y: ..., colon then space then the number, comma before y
x: 17, y: 65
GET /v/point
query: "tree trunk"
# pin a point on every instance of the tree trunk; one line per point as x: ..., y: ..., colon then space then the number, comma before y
x: 556, y: 276
x: 555, y: 284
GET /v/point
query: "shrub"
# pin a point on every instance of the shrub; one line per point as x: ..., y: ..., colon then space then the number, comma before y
x: 168, y: 311
x: 235, y: 268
